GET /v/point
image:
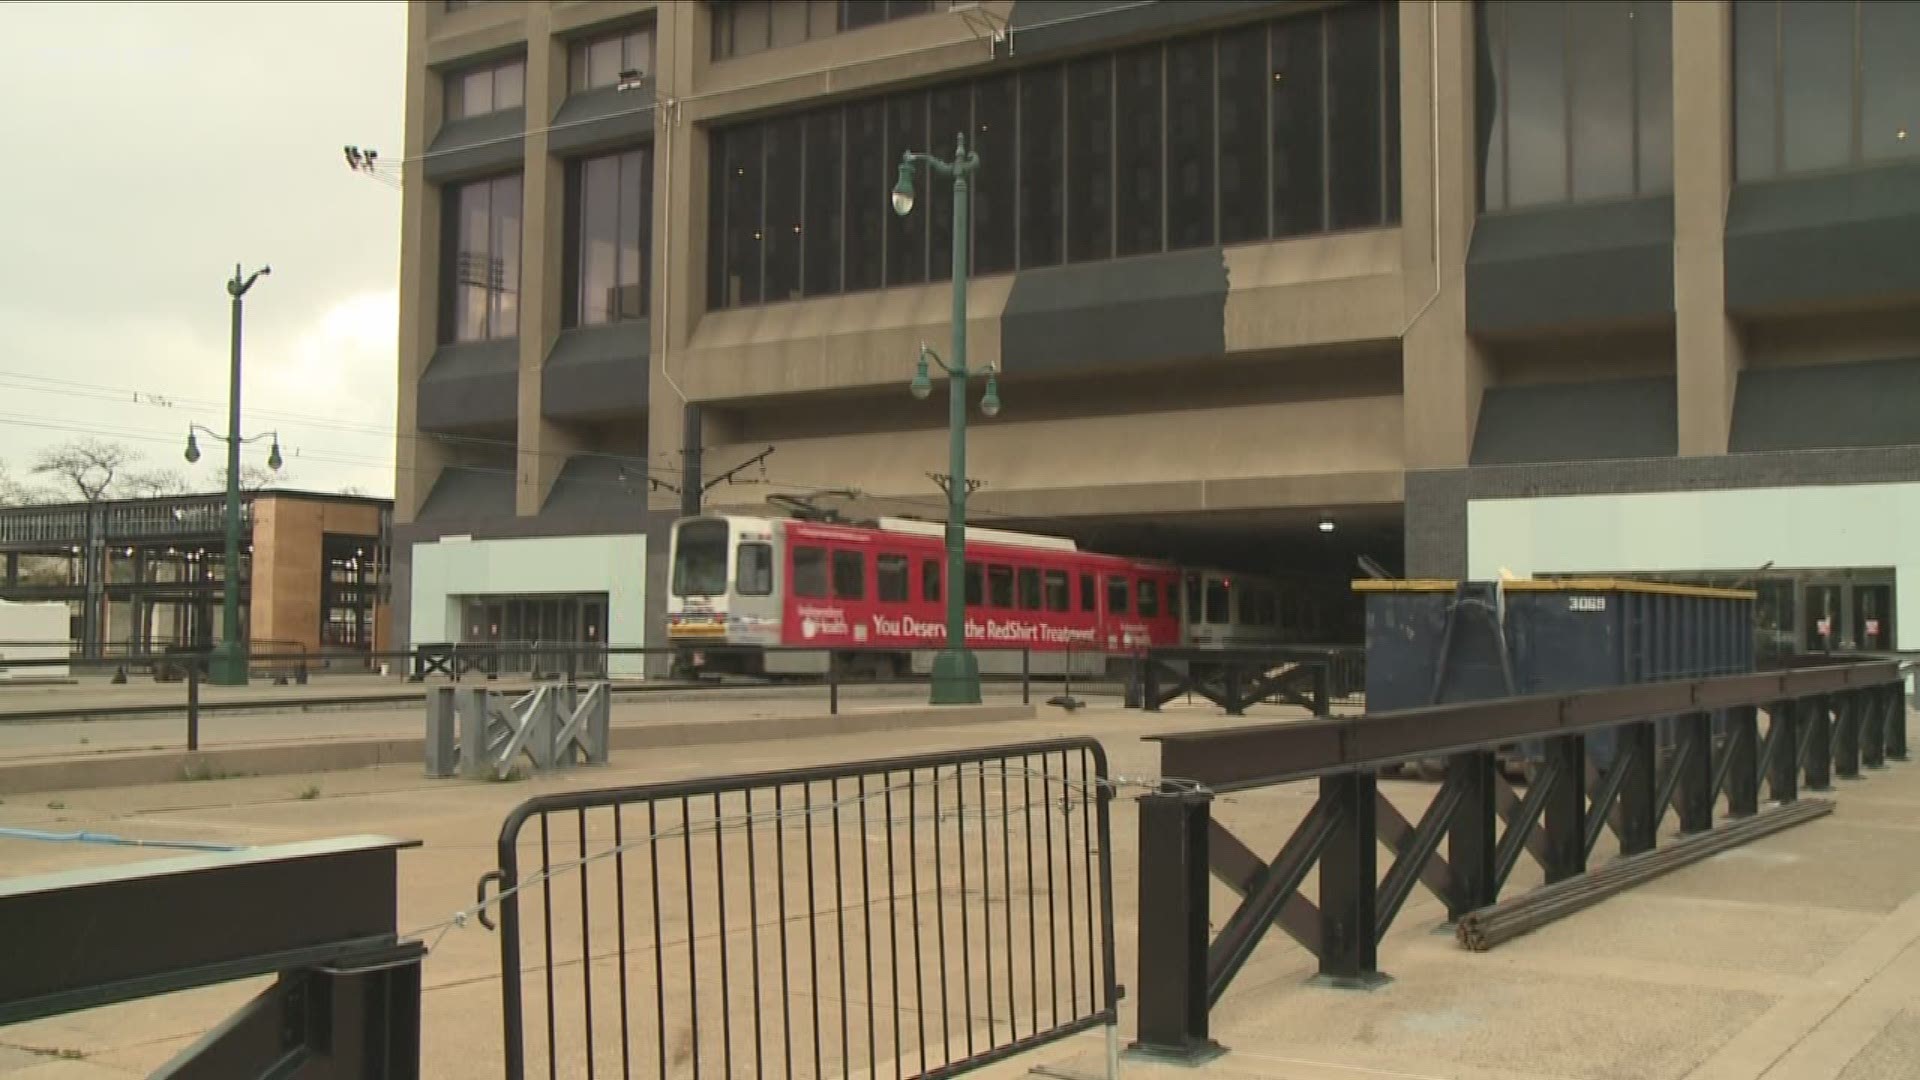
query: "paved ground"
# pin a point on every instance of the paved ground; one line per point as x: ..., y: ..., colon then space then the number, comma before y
x: 1796, y: 957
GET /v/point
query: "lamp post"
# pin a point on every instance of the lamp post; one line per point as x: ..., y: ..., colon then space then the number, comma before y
x: 229, y: 661
x: 956, y: 671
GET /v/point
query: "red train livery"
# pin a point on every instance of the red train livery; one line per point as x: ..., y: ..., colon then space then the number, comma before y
x: 879, y: 595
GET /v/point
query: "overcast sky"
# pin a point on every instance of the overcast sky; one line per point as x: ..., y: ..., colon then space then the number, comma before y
x: 148, y: 147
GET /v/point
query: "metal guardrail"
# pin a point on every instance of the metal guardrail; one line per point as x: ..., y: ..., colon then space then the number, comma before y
x: 553, y: 726
x: 1821, y: 722
x: 320, y: 914
x: 914, y: 916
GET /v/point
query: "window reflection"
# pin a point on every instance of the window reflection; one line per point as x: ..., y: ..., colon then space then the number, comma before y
x: 597, y: 62
x: 484, y: 271
x: 490, y: 88
x: 1822, y: 86
x: 613, y: 216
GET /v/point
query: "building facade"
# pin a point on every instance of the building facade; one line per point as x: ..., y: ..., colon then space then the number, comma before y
x: 1548, y: 287
x: 143, y: 576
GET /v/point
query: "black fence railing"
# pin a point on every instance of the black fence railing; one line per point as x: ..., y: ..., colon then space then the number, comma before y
x: 907, y: 917
x: 1315, y: 678
x: 1819, y: 722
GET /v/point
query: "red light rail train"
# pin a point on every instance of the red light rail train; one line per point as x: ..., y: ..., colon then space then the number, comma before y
x: 871, y: 599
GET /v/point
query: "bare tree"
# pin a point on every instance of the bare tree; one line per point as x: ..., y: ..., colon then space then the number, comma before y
x: 153, y: 484
x: 13, y: 492
x: 88, y: 466
x: 253, y: 477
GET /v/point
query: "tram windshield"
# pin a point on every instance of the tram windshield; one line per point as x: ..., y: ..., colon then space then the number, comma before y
x: 700, y: 559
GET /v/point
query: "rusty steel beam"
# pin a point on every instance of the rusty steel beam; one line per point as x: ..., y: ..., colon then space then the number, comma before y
x: 1227, y: 759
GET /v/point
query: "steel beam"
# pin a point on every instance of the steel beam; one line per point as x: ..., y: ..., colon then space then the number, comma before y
x: 1693, y: 768
x: 1783, y: 765
x: 1639, y: 809
x: 1816, y: 715
x: 1897, y: 723
x: 1566, y: 808
x: 1874, y: 714
x: 1173, y: 901
x: 1743, y: 762
x: 1846, y: 735
x: 1470, y: 835
x: 1349, y: 880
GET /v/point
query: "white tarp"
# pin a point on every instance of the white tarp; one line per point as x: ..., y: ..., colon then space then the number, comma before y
x: 33, y: 631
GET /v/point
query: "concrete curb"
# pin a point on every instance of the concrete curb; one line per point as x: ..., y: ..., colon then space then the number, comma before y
x: 110, y: 769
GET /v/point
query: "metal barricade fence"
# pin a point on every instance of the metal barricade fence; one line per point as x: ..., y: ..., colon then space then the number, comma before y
x: 908, y: 917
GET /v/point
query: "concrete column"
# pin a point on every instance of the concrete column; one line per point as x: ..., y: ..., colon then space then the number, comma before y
x: 679, y: 255
x: 1706, y: 342
x: 543, y: 445
x: 1443, y: 369
x: 417, y: 461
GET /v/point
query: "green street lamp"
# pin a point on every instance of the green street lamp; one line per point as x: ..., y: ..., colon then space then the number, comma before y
x: 956, y: 671
x: 229, y: 661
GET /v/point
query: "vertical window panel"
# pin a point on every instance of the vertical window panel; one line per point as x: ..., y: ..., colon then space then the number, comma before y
x: 1138, y: 150
x: 1299, y: 118
x: 789, y: 23
x: 1756, y: 116
x: 510, y: 85
x: 1090, y: 159
x: 868, y: 182
x: 821, y: 229
x: 1653, y: 41
x: 599, y: 239
x: 1190, y: 143
x: 744, y: 232
x: 636, y: 231
x: 784, y: 208
x: 1243, y: 94
x: 951, y: 115
x: 1600, y: 59
x: 1353, y: 116
x: 994, y: 185
x: 907, y: 236
x: 1535, y: 102
x: 1390, y: 107
x: 857, y: 14
x: 503, y: 310
x: 1890, y: 81
x: 604, y: 61
x: 1042, y: 168
x: 718, y: 297
x: 471, y: 263
x: 1489, y: 93
x: 1816, y: 82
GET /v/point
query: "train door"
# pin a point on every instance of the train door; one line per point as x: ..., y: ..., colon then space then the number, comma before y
x: 754, y: 586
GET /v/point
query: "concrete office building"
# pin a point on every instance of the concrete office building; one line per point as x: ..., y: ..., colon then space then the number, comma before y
x: 1551, y: 287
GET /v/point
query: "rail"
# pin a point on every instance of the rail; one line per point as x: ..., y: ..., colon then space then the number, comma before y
x: 318, y: 914
x: 1821, y: 722
x: 913, y: 916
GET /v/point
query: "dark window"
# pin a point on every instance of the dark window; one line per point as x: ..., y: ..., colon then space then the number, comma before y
x: 810, y: 572
x: 1190, y: 143
x: 1576, y: 100
x: 700, y: 559
x: 869, y: 180
x: 1089, y: 593
x: 1354, y: 91
x: 1137, y: 150
x: 1242, y: 64
x: 753, y: 569
x: 999, y: 586
x: 1299, y: 123
x: 1090, y: 159
x: 930, y: 580
x: 890, y: 577
x: 484, y: 260
x: 1042, y: 168
x: 1149, y: 605
x: 907, y: 235
x: 599, y: 62
x: 1890, y: 92
x: 975, y: 595
x: 612, y: 218
x: 1116, y: 596
x: 1218, y: 602
x: 783, y: 213
x: 820, y: 233
x: 994, y: 184
x: 744, y: 27
x: 743, y: 243
x: 951, y: 114
x: 1816, y: 80
x: 489, y: 88
x: 1058, y: 594
x: 1029, y: 589
x: 849, y: 575
x: 855, y: 14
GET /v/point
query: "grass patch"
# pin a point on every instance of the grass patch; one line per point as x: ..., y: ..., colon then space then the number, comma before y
x: 206, y: 770
x: 310, y: 793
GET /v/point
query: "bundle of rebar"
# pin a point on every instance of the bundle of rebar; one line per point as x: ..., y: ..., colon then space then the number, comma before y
x: 1489, y: 926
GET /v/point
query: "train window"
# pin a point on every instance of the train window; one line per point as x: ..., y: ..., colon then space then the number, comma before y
x: 975, y: 585
x: 1149, y: 605
x: 1029, y: 590
x: 1089, y: 593
x: 810, y: 572
x: 1193, y: 598
x: 1057, y: 593
x: 753, y: 569
x: 890, y: 577
x: 1217, y: 602
x: 1116, y: 596
x: 1000, y: 586
x: 930, y: 580
x: 849, y: 575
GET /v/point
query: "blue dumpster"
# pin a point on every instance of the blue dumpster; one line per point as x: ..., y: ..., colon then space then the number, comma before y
x: 1440, y: 642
